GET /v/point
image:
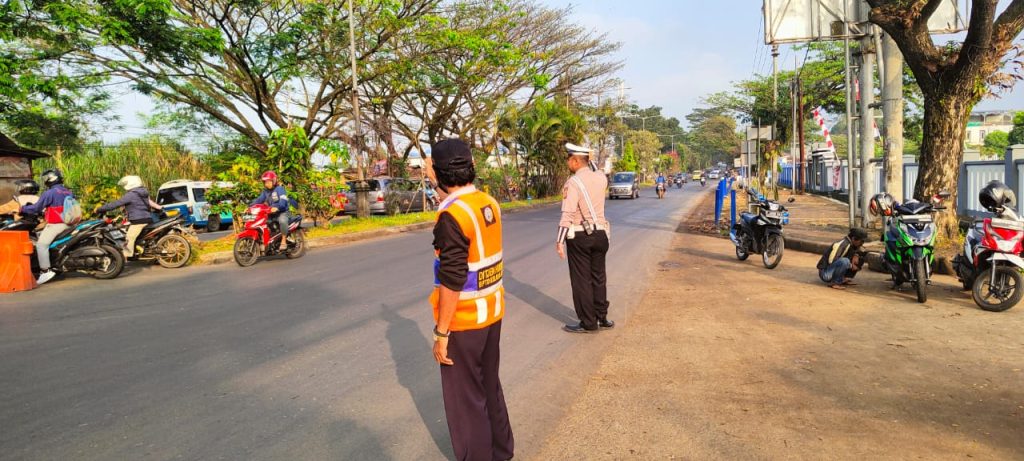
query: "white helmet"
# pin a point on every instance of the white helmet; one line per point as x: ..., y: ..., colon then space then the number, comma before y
x: 130, y: 182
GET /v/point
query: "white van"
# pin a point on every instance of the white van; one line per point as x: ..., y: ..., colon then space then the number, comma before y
x: 189, y: 197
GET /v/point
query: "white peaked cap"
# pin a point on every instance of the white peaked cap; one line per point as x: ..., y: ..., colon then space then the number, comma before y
x: 577, y: 150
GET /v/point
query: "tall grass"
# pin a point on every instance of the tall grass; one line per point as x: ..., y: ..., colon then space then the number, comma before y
x: 93, y: 174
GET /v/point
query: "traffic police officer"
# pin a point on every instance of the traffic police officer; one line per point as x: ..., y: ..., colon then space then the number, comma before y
x: 583, y: 233
x: 469, y: 303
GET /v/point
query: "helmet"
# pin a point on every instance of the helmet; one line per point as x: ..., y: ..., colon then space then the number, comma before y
x: 52, y: 177
x: 995, y: 196
x: 26, y: 187
x: 130, y: 182
x: 881, y: 204
x: 269, y: 176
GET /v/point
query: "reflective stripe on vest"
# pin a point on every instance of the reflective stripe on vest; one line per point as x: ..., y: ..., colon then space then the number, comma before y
x: 481, y: 300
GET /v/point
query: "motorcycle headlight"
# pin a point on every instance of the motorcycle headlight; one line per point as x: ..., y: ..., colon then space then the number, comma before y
x: 773, y: 206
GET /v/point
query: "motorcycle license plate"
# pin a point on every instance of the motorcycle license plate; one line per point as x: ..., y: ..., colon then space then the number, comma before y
x: 172, y: 213
x: 773, y: 214
x: 249, y: 217
x: 117, y: 235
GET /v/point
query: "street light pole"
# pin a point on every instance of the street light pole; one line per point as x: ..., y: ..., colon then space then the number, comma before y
x: 362, y: 189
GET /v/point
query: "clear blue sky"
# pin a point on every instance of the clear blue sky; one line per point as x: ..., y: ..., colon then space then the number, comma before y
x: 675, y: 52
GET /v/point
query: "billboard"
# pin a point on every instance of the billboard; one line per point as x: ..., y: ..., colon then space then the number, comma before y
x: 798, y: 21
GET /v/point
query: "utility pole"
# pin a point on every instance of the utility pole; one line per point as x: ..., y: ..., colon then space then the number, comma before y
x: 892, y: 113
x: 793, y: 148
x: 851, y: 183
x: 867, y: 119
x: 362, y: 191
x: 800, y: 133
x: 775, y: 75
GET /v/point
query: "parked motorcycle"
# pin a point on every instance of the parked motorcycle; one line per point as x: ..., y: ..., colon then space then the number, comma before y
x: 164, y: 241
x: 990, y: 264
x: 761, y: 232
x: 90, y: 247
x: 660, y: 189
x: 909, y: 239
x: 259, y: 239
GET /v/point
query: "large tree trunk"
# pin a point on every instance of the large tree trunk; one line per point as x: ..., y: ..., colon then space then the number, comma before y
x: 946, y: 111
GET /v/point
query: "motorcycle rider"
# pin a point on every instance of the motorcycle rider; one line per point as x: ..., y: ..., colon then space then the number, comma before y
x: 27, y: 192
x: 275, y: 196
x: 843, y: 259
x: 703, y: 179
x: 137, y: 205
x: 51, y: 205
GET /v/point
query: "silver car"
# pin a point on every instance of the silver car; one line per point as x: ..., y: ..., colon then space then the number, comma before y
x: 624, y: 184
x: 407, y: 195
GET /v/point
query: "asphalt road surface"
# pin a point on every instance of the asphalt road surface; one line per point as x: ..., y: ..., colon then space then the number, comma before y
x: 325, y: 357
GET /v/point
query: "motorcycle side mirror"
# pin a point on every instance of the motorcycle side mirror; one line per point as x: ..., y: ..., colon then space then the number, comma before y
x: 943, y: 194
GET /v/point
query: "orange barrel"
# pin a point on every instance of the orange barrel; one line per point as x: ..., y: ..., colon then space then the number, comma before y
x: 15, y: 262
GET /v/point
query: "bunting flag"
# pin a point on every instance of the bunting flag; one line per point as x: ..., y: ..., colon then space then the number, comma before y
x: 820, y: 120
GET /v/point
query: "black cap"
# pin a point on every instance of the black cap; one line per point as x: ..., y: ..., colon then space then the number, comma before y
x: 857, y: 233
x: 451, y: 154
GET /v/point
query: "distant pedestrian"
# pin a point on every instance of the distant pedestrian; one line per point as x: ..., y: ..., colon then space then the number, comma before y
x: 469, y: 303
x: 843, y: 259
x: 584, y: 232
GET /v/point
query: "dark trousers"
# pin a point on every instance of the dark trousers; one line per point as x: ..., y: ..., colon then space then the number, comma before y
x: 587, y: 276
x: 473, y: 401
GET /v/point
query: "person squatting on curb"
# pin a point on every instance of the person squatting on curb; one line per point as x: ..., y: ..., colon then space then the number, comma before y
x: 843, y: 259
x: 469, y: 303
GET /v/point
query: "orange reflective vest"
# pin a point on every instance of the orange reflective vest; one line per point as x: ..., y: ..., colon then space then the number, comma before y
x: 482, y: 299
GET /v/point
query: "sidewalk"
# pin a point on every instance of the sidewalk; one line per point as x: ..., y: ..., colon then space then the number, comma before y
x: 727, y: 360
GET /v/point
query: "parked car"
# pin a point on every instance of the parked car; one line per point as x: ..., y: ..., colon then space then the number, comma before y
x: 403, y: 194
x: 189, y: 197
x: 624, y: 184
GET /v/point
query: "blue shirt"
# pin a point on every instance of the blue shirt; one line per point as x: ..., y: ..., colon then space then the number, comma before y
x: 276, y: 198
x: 660, y: 179
x: 52, y: 197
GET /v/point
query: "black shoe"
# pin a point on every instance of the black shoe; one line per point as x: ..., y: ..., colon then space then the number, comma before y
x: 578, y: 328
x: 605, y: 323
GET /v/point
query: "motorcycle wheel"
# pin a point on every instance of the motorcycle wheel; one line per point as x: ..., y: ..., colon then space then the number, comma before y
x: 921, y: 285
x: 299, y: 248
x: 175, y: 251
x: 114, y: 264
x: 773, y: 248
x: 1006, y: 294
x: 246, y: 251
x: 741, y: 249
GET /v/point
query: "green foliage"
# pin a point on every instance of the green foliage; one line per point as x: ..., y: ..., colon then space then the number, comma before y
x: 289, y: 154
x: 1017, y: 133
x: 996, y: 143
x: 94, y: 173
x: 541, y: 131
x: 628, y: 160
x: 714, y: 140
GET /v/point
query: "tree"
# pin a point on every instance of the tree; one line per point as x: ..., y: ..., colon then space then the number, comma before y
x: 647, y: 147
x: 952, y: 78
x: 714, y: 140
x: 996, y: 143
x: 541, y: 131
x: 1017, y: 133
x: 628, y: 160
x: 652, y: 120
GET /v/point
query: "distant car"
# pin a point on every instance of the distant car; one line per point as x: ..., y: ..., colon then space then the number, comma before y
x: 407, y: 193
x: 184, y: 196
x: 714, y: 174
x: 624, y: 184
x: 696, y: 175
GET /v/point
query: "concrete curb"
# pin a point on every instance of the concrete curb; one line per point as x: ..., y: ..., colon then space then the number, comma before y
x: 223, y: 257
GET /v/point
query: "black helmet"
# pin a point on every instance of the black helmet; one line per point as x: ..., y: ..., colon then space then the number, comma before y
x: 26, y: 187
x: 52, y: 177
x: 995, y: 196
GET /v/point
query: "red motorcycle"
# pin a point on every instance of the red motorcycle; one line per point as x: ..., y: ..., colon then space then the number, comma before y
x: 258, y: 239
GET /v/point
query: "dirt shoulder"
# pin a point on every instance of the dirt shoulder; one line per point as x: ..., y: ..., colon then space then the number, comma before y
x: 727, y: 360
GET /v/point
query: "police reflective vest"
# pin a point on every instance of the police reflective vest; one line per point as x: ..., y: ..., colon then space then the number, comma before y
x: 482, y: 299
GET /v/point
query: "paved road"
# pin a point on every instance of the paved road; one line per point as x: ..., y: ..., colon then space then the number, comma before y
x: 326, y: 357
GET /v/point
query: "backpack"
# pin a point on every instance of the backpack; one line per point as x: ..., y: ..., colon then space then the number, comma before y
x: 72, y: 213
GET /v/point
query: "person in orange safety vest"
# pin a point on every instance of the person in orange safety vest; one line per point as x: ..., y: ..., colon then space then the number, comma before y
x: 469, y: 303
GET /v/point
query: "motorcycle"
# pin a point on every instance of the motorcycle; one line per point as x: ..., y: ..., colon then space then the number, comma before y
x: 90, y: 247
x: 679, y: 183
x: 990, y: 264
x: 258, y: 239
x: 703, y: 181
x: 761, y: 232
x: 164, y: 241
x: 660, y: 189
x: 909, y: 239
